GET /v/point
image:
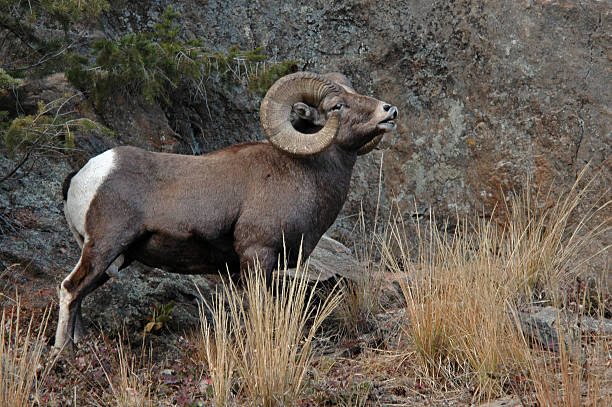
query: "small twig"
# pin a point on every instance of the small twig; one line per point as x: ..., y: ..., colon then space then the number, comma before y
x: 61, y: 105
x: 206, y: 104
x: 19, y: 165
x: 45, y: 58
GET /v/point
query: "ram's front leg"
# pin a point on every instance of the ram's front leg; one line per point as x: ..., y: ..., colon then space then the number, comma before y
x: 264, y: 258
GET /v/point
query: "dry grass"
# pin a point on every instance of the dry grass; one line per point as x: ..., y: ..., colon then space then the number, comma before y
x: 465, y: 285
x: 363, y: 296
x: 259, y: 339
x: 129, y: 388
x: 216, y: 347
x: 20, y: 357
x: 132, y: 390
x: 544, y: 239
x: 456, y: 304
x: 579, y: 374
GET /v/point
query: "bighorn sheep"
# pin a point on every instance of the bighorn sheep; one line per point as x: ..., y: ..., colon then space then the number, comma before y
x: 201, y: 214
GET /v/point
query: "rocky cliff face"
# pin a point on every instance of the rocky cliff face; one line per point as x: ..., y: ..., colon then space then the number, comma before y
x: 491, y: 94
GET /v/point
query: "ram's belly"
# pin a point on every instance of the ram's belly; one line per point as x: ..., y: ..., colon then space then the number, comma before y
x: 185, y: 254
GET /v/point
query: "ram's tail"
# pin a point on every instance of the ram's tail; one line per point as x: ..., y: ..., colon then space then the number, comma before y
x: 66, y: 184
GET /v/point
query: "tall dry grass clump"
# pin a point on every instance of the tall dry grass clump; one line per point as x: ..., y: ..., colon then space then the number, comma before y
x: 545, y: 237
x: 20, y: 357
x: 260, y: 341
x: 456, y: 305
x: 464, y: 285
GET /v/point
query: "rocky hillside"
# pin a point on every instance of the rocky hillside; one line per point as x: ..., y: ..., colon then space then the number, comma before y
x: 491, y: 96
x: 495, y: 99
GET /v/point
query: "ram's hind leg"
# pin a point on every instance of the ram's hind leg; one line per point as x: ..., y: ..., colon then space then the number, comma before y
x: 62, y: 333
x: 88, y: 274
x: 112, y: 271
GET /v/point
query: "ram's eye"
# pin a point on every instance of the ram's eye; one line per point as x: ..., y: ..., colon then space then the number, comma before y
x: 338, y: 106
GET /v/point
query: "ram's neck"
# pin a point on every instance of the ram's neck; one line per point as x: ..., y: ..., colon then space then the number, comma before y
x: 333, y: 169
x: 338, y: 159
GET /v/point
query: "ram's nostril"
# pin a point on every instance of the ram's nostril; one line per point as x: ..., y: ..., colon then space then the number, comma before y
x: 386, y: 107
x: 394, y: 114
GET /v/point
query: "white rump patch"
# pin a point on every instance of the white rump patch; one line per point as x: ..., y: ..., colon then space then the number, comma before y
x: 83, y: 188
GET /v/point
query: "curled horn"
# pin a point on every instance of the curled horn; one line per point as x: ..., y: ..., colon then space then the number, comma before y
x: 276, y: 108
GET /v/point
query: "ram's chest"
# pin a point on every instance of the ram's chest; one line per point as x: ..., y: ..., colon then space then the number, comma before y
x: 321, y: 203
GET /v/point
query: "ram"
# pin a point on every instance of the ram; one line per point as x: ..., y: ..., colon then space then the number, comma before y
x: 222, y: 210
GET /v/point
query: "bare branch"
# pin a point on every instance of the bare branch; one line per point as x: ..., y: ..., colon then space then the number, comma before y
x: 45, y: 58
x: 19, y: 165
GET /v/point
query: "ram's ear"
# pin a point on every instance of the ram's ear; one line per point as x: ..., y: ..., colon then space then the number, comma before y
x: 306, y: 112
